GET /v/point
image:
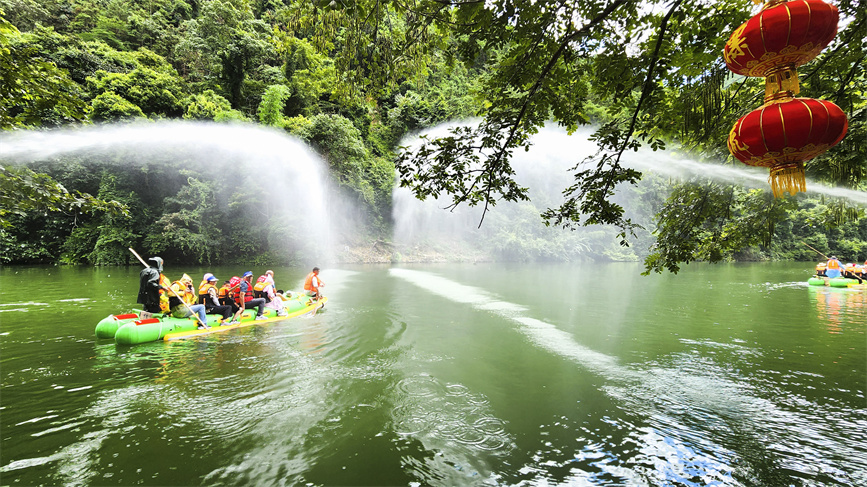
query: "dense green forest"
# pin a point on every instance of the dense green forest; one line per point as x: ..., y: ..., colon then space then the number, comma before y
x: 353, y: 79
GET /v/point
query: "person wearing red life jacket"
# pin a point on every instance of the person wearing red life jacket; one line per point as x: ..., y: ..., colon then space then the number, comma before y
x: 312, y: 283
x: 246, y: 298
x: 228, y: 295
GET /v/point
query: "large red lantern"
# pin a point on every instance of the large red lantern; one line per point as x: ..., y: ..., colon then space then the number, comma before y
x: 782, y: 135
x: 785, y: 131
x: 787, y: 33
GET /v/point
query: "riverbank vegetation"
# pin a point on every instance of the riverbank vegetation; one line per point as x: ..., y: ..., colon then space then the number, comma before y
x: 354, y: 79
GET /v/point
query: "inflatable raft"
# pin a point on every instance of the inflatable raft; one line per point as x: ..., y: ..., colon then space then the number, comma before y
x: 834, y: 282
x: 130, y: 329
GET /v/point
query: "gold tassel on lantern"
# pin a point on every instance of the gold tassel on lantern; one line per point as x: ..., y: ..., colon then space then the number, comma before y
x: 788, y: 177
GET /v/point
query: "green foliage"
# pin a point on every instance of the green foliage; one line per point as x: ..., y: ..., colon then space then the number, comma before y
x: 354, y: 78
x: 23, y: 192
x: 273, y: 102
x: 210, y: 106
x: 156, y: 93
x: 32, y: 89
x: 191, y: 226
x: 111, y: 107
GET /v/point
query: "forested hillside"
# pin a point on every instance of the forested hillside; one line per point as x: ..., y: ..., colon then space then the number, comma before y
x: 353, y: 79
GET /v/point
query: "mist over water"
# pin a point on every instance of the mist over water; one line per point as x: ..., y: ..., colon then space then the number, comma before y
x: 546, y: 169
x: 279, y: 169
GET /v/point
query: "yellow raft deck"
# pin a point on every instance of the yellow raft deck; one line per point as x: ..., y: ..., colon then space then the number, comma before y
x: 309, y: 310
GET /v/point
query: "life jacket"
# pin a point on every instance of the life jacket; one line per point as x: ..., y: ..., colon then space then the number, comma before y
x: 204, y: 288
x: 850, y: 267
x: 833, y: 264
x: 180, y: 286
x: 820, y: 266
x: 164, y: 298
x: 308, y: 282
x: 248, y: 295
x: 260, y: 284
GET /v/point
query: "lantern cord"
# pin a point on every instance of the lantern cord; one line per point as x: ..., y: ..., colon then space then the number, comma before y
x: 789, y: 178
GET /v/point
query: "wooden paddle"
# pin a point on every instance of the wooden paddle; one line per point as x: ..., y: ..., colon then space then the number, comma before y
x: 173, y: 292
x: 814, y: 250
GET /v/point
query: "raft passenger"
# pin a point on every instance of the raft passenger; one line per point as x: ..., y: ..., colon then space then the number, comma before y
x: 182, y: 289
x: 312, y: 283
x: 820, y: 269
x: 227, y: 294
x: 246, y: 298
x: 209, y: 297
x: 833, y: 267
x: 151, y: 282
x: 849, y: 272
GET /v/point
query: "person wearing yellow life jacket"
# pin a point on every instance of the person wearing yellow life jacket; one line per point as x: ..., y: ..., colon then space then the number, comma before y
x: 312, y: 283
x: 209, y: 297
x: 246, y: 298
x: 261, y: 285
x: 820, y: 269
x: 183, y: 289
x: 164, y: 294
x: 833, y: 267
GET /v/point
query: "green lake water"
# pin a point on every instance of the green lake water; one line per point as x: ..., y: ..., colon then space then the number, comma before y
x: 445, y: 375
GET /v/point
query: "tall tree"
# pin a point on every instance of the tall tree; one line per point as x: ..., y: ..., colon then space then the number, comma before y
x: 545, y: 59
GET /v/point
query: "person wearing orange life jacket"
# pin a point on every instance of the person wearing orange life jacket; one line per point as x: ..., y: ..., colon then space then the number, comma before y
x: 833, y: 267
x: 209, y: 297
x: 246, y: 298
x: 182, y: 289
x: 820, y: 269
x: 312, y: 283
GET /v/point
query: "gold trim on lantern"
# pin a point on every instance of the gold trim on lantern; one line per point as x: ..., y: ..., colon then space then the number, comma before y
x: 781, y: 84
x: 772, y: 3
x: 736, y: 48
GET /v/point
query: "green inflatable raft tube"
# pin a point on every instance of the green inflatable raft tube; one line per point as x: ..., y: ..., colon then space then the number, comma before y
x: 835, y: 282
x: 129, y: 329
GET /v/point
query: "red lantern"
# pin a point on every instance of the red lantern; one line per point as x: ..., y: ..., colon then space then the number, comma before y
x: 782, y: 34
x: 782, y: 135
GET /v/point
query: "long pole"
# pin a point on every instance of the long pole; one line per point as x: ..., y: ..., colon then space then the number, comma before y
x: 173, y: 291
x: 814, y: 250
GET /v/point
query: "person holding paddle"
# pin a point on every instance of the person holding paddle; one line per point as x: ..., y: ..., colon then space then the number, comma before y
x: 183, y: 299
x: 151, y: 282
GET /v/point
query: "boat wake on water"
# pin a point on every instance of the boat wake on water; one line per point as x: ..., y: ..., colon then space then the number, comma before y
x: 673, y: 397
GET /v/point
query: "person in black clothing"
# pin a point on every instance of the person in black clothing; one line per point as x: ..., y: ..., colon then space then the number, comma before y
x: 149, y: 286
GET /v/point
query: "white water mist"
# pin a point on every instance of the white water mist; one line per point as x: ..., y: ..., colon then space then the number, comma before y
x: 546, y: 169
x: 287, y: 174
